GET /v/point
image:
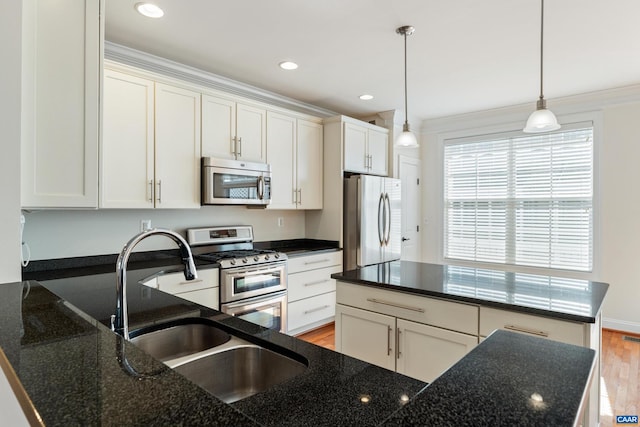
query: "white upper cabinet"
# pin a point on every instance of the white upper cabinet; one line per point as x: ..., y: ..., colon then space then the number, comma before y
x: 294, y: 151
x: 281, y: 155
x: 365, y: 149
x: 177, y: 160
x: 232, y: 130
x: 127, y: 149
x: 150, y: 153
x: 62, y: 64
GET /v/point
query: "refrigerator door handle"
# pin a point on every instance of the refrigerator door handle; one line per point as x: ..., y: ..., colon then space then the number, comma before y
x: 381, y: 219
x: 388, y: 219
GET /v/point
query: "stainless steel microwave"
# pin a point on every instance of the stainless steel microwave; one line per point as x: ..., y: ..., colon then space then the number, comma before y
x: 235, y: 182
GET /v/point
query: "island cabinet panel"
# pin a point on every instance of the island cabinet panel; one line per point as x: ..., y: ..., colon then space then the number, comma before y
x: 557, y: 330
x: 425, y: 352
x: 366, y: 335
x: 431, y: 311
x: 311, y: 297
x: 425, y: 337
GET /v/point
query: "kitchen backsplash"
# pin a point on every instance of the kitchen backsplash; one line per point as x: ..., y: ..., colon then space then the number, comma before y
x: 62, y: 234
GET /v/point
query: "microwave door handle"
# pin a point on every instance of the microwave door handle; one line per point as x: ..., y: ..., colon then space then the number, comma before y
x: 260, y: 187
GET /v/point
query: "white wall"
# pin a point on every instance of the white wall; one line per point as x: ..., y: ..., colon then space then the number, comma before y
x: 10, y: 52
x: 617, y: 251
x: 69, y: 233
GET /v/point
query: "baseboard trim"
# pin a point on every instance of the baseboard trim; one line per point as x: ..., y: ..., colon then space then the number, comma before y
x: 621, y: 325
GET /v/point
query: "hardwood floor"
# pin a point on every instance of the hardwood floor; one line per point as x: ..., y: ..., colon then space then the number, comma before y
x: 619, y: 384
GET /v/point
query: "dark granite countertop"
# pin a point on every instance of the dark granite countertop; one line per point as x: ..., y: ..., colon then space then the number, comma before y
x: 68, y: 362
x: 299, y: 247
x: 562, y: 298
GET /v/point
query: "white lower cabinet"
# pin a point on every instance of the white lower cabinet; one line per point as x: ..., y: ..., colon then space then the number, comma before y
x: 205, y: 290
x: 413, y: 349
x: 311, y: 296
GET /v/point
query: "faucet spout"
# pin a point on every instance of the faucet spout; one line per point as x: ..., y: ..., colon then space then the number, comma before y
x: 120, y: 321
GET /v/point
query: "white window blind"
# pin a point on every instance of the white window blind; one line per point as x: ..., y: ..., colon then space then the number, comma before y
x: 521, y: 199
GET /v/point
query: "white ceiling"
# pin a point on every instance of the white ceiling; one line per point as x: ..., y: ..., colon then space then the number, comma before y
x: 466, y: 55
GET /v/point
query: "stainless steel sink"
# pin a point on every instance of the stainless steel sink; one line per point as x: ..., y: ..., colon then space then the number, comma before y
x: 179, y: 340
x: 240, y: 372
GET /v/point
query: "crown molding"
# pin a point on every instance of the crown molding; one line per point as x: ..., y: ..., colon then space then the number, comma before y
x: 166, y: 67
x: 589, y: 101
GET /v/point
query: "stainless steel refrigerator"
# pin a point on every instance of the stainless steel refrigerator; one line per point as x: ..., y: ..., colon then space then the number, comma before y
x: 372, y: 216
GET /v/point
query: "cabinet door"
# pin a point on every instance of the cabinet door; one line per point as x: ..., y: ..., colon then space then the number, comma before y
x: 309, y: 165
x: 251, y: 133
x: 378, y: 149
x: 355, y: 148
x: 366, y: 336
x: 62, y: 63
x: 425, y: 352
x: 127, y: 149
x: 281, y: 155
x: 218, y: 127
x: 177, y: 147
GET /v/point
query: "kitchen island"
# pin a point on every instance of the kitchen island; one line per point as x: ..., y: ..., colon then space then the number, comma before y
x: 70, y: 364
x: 420, y: 319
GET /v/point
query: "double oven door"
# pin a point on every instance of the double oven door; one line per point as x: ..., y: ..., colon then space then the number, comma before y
x: 257, y: 294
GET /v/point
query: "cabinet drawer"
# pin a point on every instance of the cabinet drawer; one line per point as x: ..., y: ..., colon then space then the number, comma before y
x: 207, y: 297
x: 431, y: 311
x: 310, y: 283
x: 174, y: 283
x: 558, y: 330
x: 310, y: 310
x: 312, y: 262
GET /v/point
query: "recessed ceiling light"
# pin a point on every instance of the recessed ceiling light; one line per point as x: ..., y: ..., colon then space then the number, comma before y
x: 366, y: 97
x: 288, y: 65
x: 150, y: 10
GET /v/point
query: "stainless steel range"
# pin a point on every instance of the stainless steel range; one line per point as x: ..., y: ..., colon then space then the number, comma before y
x: 253, y: 282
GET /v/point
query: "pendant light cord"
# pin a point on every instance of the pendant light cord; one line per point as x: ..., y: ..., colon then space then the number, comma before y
x: 541, y: 46
x: 406, y: 112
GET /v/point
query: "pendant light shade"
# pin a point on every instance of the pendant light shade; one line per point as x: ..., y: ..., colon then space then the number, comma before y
x: 541, y: 120
x: 406, y: 138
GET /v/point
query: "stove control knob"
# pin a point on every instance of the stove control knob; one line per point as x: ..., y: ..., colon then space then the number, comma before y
x: 266, y: 257
x: 277, y: 255
x: 244, y: 260
x: 256, y: 258
x: 232, y: 262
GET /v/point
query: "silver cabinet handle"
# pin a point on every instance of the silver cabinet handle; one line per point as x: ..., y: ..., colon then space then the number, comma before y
x: 295, y: 196
x: 317, y: 262
x: 388, y: 340
x: 240, y: 146
x: 191, y: 282
x: 234, y: 145
x: 527, y: 330
x: 313, y: 310
x: 159, y: 191
x: 150, y: 191
x: 300, y: 196
x: 319, y: 282
x: 398, y: 352
x: 393, y: 304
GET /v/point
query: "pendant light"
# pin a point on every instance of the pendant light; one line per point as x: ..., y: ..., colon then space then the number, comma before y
x: 406, y: 138
x: 541, y: 120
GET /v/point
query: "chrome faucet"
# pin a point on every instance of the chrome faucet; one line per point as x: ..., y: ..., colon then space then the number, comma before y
x: 120, y: 320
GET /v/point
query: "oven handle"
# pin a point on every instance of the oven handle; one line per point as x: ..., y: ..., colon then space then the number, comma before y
x: 254, y: 302
x: 255, y: 271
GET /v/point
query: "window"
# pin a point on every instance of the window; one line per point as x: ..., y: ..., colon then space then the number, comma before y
x: 521, y: 199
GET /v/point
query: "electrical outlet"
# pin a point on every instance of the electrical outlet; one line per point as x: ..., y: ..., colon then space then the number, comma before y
x: 280, y: 221
x: 145, y: 224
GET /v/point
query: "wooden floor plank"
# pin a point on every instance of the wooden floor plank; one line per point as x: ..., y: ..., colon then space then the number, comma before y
x: 620, y: 391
